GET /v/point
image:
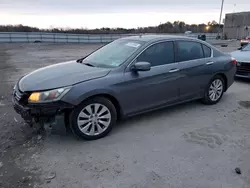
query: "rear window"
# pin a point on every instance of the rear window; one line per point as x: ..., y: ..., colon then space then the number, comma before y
x: 246, y: 48
x: 206, y: 50
x: 189, y: 50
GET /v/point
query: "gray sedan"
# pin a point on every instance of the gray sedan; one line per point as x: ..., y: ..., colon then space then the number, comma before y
x: 242, y: 57
x: 124, y: 78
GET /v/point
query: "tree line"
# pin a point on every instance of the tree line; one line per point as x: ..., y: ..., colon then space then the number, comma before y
x: 168, y: 27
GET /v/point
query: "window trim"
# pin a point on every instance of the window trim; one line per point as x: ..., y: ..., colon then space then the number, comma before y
x: 127, y: 69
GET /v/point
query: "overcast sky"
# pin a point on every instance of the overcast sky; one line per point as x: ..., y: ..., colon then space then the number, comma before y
x: 113, y: 13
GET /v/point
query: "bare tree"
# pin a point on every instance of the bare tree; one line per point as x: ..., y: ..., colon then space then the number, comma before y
x: 168, y: 27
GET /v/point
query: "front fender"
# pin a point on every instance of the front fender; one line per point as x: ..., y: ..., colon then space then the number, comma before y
x: 89, y: 94
x: 82, y: 91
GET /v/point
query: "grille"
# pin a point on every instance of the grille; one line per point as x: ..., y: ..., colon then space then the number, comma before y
x: 20, y: 96
x: 17, y: 96
x: 243, y: 68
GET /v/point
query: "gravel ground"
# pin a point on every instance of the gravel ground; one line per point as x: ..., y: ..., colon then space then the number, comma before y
x: 186, y: 146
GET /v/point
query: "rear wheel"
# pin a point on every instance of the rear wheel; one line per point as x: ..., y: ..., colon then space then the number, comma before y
x: 93, y: 118
x: 214, y: 90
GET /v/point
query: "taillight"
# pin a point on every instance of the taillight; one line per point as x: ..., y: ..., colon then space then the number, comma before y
x: 234, y: 61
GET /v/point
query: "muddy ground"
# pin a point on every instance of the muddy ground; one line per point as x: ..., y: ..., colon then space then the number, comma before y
x: 189, y: 145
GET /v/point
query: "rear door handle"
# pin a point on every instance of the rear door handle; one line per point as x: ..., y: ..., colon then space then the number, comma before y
x: 210, y: 63
x: 174, y: 70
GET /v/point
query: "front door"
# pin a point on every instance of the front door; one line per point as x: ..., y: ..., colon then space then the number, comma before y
x: 159, y: 86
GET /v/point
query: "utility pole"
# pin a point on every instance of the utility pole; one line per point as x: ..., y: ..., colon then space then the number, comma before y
x: 221, y: 10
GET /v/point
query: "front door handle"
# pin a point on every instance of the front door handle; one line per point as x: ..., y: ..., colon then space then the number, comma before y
x: 210, y: 63
x: 174, y: 70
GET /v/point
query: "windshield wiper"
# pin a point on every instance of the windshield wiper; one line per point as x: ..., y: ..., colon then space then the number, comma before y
x: 89, y: 64
x: 81, y: 61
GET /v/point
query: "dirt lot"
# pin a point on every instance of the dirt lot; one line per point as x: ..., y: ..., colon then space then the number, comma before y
x: 189, y: 145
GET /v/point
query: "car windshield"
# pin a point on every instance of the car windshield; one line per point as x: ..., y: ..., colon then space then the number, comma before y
x: 246, y: 48
x: 113, y: 54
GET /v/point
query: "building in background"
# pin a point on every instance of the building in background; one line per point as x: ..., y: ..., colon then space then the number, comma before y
x: 237, y: 25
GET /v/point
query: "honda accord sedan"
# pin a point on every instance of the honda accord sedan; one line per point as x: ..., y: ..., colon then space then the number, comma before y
x: 126, y: 77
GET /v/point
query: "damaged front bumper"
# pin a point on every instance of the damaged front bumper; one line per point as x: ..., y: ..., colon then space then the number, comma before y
x: 37, y: 111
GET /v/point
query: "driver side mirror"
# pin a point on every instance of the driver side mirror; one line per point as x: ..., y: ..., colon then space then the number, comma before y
x: 141, y: 66
x: 240, y: 48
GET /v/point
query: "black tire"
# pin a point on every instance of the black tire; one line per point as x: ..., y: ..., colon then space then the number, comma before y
x: 74, y: 117
x: 206, y: 99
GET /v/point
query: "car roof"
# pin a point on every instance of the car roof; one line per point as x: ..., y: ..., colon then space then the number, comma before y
x: 154, y: 38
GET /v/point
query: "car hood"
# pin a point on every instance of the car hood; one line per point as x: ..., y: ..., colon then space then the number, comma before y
x: 60, y: 75
x: 243, y: 56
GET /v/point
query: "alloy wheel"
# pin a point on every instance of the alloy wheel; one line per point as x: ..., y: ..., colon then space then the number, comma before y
x: 94, y: 119
x: 215, y: 90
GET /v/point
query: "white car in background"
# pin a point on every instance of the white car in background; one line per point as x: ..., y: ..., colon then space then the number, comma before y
x: 242, y: 57
x: 245, y: 41
x: 188, y: 32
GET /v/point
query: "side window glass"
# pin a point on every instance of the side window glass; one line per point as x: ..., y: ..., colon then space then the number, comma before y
x: 207, y: 51
x: 188, y: 50
x: 158, y: 54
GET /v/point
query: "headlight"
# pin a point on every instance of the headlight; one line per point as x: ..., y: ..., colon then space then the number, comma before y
x: 48, y: 96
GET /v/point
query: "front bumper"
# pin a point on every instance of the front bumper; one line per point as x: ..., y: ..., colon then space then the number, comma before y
x: 45, y: 110
x: 242, y: 76
x: 243, y: 69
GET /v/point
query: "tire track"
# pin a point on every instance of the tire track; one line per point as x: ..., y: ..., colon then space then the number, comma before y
x: 206, y: 137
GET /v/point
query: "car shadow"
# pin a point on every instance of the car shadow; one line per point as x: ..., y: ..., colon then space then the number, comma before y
x: 243, y: 80
x: 138, y: 120
x: 153, y: 115
x: 60, y: 134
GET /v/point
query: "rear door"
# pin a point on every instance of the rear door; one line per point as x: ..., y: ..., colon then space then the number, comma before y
x: 194, y: 59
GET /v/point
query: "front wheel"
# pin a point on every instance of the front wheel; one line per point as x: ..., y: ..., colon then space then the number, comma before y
x: 93, y: 118
x: 214, y: 90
